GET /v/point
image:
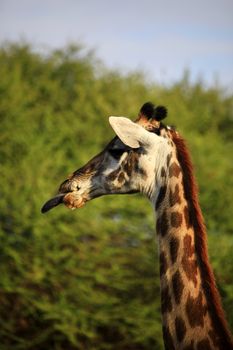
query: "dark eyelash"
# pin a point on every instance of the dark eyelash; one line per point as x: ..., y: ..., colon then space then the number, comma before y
x: 116, y: 153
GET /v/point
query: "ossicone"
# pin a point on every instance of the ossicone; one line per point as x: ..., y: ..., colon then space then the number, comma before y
x: 150, y: 111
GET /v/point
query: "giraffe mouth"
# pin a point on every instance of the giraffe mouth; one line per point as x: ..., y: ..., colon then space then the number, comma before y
x: 70, y: 199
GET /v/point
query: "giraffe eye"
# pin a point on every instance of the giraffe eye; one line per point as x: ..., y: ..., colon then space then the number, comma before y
x: 117, y: 153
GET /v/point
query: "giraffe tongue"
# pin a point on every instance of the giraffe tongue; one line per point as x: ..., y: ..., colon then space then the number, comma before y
x: 53, y: 202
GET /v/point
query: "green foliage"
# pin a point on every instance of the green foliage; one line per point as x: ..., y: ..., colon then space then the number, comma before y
x: 89, y: 279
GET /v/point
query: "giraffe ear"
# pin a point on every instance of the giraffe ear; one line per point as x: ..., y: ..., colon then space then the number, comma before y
x: 130, y: 133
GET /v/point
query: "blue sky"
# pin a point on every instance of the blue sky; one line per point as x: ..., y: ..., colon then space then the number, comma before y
x: 161, y: 38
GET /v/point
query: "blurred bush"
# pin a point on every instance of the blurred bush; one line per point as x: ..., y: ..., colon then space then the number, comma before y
x: 89, y: 279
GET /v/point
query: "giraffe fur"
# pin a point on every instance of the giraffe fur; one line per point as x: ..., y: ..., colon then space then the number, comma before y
x: 150, y: 158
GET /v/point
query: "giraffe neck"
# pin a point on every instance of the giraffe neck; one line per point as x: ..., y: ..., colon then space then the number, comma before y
x: 191, y: 310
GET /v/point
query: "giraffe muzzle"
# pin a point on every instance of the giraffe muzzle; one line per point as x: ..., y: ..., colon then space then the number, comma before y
x: 70, y: 199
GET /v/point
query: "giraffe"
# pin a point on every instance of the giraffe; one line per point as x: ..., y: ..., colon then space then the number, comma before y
x: 148, y: 157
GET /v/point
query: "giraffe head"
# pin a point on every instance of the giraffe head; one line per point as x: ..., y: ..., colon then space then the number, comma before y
x: 130, y: 163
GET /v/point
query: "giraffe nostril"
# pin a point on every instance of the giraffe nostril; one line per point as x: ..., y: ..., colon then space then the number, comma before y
x: 78, y: 187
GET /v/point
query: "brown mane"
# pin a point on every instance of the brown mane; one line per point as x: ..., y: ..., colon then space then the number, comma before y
x: 196, y: 219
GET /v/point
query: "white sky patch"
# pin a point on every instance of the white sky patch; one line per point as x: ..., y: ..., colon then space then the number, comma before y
x: 160, y: 37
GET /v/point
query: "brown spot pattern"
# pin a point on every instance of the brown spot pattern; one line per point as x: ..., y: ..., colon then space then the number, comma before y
x: 174, y: 197
x: 188, y: 247
x: 204, y: 344
x: 166, y: 302
x: 174, y: 170
x: 180, y: 329
x: 163, y: 172
x: 167, y: 339
x: 161, y: 196
x: 178, y: 286
x: 176, y: 219
x: 189, y: 262
x: 131, y: 163
x: 186, y: 217
x: 195, y: 310
x: 174, y: 246
x: 169, y: 157
x: 128, y: 166
x: 113, y: 175
x: 121, y: 177
x: 162, y: 224
x: 163, y: 264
